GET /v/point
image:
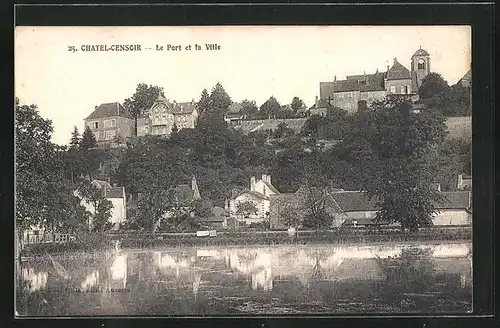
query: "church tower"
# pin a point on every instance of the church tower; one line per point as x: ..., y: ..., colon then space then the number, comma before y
x: 421, y: 65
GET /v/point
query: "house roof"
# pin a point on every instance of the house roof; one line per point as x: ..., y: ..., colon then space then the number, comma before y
x: 108, y: 110
x: 250, y: 192
x: 183, y: 107
x: 101, y: 184
x: 365, y: 82
x: 270, y: 186
x: 455, y: 200
x: 421, y: 52
x: 398, y: 72
x: 175, y: 107
x: 353, y: 201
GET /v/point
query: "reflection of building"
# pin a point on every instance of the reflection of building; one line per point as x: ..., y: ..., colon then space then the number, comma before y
x: 35, y: 280
x: 108, y: 121
x: 359, y: 91
x: 118, y: 272
x: 161, y: 118
x: 91, y: 280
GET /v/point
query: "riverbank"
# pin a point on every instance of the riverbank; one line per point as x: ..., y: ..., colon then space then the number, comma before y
x: 138, y: 240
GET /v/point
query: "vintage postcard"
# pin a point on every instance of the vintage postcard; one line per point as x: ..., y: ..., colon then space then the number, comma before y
x: 243, y: 170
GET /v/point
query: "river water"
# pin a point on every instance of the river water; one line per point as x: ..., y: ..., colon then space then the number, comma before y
x: 250, y: 280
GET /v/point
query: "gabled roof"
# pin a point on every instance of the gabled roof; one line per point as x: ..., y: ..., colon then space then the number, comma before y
x: 365, y: 82
x: 250, y: 192
x: 455, y: 200
x: 270, y: 186
x: 353, y: 201
x: 183, y: 108
x: 109, y: 110
x: 398, y: 72
x: 101, y: 184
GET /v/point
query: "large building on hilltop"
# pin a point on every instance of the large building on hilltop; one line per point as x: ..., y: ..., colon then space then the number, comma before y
x: 359, y: 91
x: 161, y: 117
x: 108, y: 121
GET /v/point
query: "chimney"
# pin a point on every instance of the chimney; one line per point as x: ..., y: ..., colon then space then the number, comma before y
x: 264, y: 177
x: 459, y: 184
x: 118, y: 108
x: 268, y: 178
x: 194, y: 187
x: 395, y: 60
x: 114, y: 185
x: 226, y: 204
x: 335, y: 78
x: 192, y: 101
x: 95, y: 107
x: 316, y: 102
x: 252, y: 184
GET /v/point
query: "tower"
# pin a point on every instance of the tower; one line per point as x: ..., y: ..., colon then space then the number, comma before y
x: 421, y: 65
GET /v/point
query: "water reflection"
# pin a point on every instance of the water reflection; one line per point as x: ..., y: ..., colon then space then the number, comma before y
x: 284, y: 279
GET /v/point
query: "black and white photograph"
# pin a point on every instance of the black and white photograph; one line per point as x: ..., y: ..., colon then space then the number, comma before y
x: 243, y: 170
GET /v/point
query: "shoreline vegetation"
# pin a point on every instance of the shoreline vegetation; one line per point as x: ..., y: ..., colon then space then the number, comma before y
x: 98, y: 244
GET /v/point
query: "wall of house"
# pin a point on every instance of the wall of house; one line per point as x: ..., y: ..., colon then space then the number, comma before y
x: 371, y: 96
x: 118, y: 212
x: 347, y: 100
x: 452, y: 217
x: 125, y: 127
x: 400, y: 86
x: 261, y: 187
x: 143, y: 126
x: 356, y: 215
x: 106, y: 130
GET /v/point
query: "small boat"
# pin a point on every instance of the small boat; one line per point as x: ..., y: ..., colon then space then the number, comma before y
x: 59, y: 268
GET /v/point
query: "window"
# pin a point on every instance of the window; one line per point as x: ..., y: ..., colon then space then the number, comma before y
x: 110, y: 134
x: 421, y: 64
x: 393, y: 89
x: 406, y: 90
x: 110, y: 123
x: 96, y: 125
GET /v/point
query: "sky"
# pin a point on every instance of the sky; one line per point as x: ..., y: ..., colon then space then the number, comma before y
x: 253, y: 62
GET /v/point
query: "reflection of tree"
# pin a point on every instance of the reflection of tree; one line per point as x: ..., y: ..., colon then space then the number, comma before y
x: 246, y: 258
x: 411, y: 271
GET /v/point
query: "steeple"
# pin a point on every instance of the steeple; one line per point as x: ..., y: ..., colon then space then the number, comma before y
x: 194, y: 187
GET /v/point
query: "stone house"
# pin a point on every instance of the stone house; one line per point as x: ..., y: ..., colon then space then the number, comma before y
x: 455, y: 210
x: 357, y: 92
x: 108, y: 121
x: 163, y: 115
x: 259, y: 193
x: 116, y: 195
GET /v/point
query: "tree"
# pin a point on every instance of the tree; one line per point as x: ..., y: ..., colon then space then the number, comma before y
x: 204, y: 103
x: 283, y: 131
x: 88, y: 139
x: 270, y: 108
x: 403, y: 170
x: 219, y: 99
x: 102, y: 215
x: 246, y: 208
x: 141, y: 100
x: 297, y: 104
x: 432, y: 85
x: 202, y: 208
x: 455, y: 101
x: 75, y: 138
x: 249, y: 108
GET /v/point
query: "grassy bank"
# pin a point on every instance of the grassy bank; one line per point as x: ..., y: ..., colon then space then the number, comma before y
x: 337, y: 237
x: 282, y: 237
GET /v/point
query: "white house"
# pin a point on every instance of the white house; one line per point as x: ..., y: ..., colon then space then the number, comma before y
x: 259, y: 193
x: 117, y: 197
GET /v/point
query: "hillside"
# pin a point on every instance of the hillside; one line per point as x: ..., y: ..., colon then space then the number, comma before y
x: 459, y: 127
